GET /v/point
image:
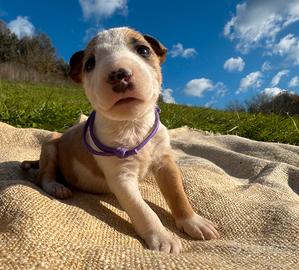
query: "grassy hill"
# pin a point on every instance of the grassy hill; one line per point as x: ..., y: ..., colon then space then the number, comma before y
x: 56, y: 107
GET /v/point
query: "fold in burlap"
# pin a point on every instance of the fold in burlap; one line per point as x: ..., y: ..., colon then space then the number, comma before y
x: 248, y: 188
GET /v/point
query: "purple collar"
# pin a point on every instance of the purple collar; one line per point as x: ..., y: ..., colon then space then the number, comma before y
x: 120, y: 152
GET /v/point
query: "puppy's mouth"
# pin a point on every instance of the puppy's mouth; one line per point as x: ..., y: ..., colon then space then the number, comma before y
x: 127, y: 100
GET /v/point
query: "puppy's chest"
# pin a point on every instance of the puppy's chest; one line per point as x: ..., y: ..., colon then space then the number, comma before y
x: 95, y: 179
x: 137, y: 165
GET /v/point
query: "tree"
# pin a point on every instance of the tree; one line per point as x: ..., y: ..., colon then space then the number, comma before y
x: 38, y: 53
x: 35, y: 53
x: 256, y: 103
x: 8, y: 44
x: 283, y: 103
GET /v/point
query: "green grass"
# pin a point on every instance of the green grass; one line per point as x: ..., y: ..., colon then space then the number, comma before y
x: 58, y: 107
x: 49, y: 107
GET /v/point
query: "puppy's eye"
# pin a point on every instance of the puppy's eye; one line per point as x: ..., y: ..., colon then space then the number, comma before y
x: 143, y: 51
x: 90, y: 64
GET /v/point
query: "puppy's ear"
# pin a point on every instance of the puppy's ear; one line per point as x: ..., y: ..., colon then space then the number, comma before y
x: 157, y: 46
x: 76, y: 64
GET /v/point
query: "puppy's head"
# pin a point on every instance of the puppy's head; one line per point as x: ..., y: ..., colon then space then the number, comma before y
x: 120, y: 72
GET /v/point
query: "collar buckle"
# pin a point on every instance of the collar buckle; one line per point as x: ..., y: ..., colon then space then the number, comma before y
x: 120, y: 152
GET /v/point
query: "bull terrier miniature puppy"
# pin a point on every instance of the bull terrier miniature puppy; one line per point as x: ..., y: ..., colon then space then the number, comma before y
x: 123, y: 138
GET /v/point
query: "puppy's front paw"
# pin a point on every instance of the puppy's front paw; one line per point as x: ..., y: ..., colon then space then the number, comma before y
x: 198, y: 227
x: 57, y: 190
x: 163, y: 241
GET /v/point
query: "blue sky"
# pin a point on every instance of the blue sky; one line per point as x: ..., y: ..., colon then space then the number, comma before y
x: 219, y: 51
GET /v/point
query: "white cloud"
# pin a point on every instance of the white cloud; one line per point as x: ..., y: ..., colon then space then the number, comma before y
x: 197, y: 87
x: 294, y: 82
x: 22, y: 27
x: 285, y: 44
x: 274, y: 91
x: 276, y: 79
x: 167, y: 95
x: 178, y: 50
x: 253, y: 79
x: 233, y: 64
x: 258, y: 21
x: 221, y: 91
x: 102, y: 8
x: 288, y: 46
x: 266, y: 66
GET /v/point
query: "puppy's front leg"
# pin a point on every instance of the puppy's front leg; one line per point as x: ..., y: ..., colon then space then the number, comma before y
x: 144, y: 220
x: 169, y: 180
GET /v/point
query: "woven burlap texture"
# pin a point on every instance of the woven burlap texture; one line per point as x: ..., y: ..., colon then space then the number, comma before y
x: 250, y: 189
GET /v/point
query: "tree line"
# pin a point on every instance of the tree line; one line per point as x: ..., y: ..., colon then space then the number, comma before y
x: 36, y: 54
x: 285, y: 103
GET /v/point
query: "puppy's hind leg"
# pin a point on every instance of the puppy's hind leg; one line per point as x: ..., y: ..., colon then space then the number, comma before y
x: 48, y: 165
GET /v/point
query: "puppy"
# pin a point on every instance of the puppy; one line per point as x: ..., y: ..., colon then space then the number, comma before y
x: 123, y: 138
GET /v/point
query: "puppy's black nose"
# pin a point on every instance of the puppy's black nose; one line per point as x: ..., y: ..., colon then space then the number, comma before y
x: 120, y: 80
x: 121, y: 74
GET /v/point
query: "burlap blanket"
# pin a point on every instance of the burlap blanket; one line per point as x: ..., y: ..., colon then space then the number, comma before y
x: 250, y: 189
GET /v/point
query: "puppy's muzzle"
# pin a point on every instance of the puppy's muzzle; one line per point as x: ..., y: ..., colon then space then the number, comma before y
x: 120, y: 80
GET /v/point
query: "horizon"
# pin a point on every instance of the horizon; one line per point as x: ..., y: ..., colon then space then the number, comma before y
x: 218, y: 52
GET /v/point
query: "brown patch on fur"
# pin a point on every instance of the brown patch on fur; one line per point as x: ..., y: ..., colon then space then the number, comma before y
x: 91, y: 44
x: 168, y: 177
x: 134, y: 39
x: 76, y: 66
x: 48, y: 159
x: 57, y: 157
x: 71, y: 148
x: 90, y: 48
x: 157, y: 46
x: 48, y: 153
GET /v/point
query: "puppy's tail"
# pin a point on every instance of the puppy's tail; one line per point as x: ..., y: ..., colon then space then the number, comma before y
x: 28, y: 164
